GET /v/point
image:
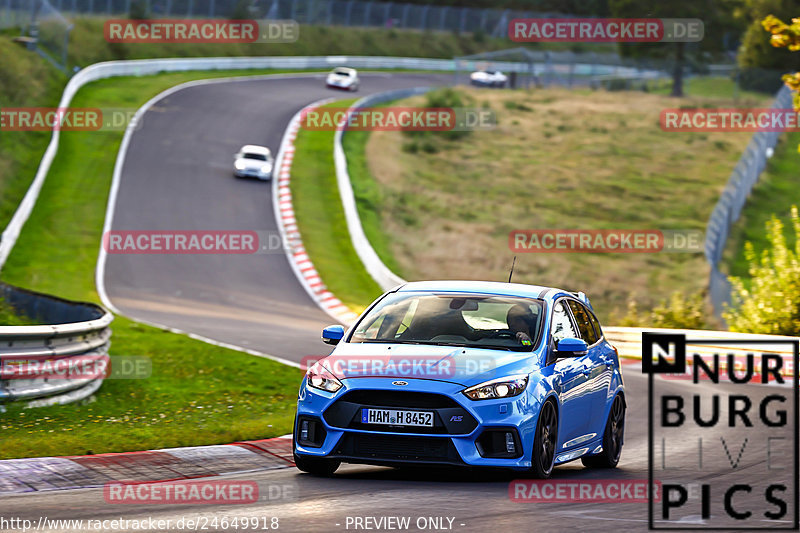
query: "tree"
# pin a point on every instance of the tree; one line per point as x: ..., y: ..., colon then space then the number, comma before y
x: 786, y: 36
x: 722, y: 27
x: 761, y: 59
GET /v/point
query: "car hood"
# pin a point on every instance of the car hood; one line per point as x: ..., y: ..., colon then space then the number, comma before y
x: 336, y: 77
x: 465, y: 366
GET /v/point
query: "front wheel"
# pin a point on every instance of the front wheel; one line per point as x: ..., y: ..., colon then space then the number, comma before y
x: 612, y: 438
x: 544, y: 444
x: 315, y: 465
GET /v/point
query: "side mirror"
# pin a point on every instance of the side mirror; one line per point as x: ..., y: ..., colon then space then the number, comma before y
x: 571, y: 347
x: 333, y: 334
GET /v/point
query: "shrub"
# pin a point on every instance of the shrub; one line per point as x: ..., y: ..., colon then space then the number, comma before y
x: 138, y: 10
x: 770, y: 301
x: 679, y: 312
x: 439, y: 98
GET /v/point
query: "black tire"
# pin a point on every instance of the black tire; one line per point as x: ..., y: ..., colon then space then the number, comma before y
x: 316, y: 466
x: 612, y: 438
x: 544, y: 444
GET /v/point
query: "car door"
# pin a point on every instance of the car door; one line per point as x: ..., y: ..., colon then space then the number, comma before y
x: 596, y: 363
x: 574, y: 381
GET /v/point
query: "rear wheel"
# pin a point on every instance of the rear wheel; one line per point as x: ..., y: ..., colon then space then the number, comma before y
x: 612, y: 438
x: 544, y: 444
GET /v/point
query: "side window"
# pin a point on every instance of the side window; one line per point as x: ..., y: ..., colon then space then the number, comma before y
x: 562, y: 325
x: 584, y: 322
x: 596, y: 324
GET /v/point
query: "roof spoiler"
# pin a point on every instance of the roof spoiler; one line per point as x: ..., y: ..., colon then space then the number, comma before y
x: 582, y: 297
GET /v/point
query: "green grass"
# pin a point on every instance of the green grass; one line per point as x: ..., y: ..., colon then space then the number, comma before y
x: 568, y: 159
x: 774, y: 195
x: 710, y: 87
x: 198, y: 393
x: 25, y: 80
x: 369, y: 198
x: 320, y: 219
x: 11, y: 317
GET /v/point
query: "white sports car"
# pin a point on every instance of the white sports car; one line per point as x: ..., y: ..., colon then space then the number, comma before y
x: 253, y: 162
x: 343, y: 78
x: 488, y: 78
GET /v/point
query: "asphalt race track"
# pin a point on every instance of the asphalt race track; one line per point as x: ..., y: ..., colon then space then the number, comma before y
x: 178, y: 176
x: 475, y: 501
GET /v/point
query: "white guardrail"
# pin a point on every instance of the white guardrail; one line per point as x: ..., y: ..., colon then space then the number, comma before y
x: 76, y: 338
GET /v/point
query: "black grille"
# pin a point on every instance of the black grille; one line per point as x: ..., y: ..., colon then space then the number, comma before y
x: 448, y: 416
x: 389, y: 398
x: 397, y: 448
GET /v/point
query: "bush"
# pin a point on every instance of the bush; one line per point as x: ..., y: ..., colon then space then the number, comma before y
x: 11, y: 317
x: 138, y: 10
x: 439, y: 98
x: 680, y: 312
x: 761, y: 79
x: 241, y: 11
x: 770, y: 301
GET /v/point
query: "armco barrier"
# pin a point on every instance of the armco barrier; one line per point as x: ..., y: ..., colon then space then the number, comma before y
x: 732, y: 200
x: 73, y: 329
x: 384, y: 277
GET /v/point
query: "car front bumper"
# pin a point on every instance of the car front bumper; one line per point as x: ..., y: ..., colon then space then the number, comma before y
x: 465, y: 431
x: 249, y: 173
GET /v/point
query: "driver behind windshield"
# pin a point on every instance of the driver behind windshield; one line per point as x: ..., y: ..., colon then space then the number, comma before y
x: 522, y: 322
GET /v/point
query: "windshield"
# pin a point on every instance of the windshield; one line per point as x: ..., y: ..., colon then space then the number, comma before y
x: 474, y: 320
x: 257, y: 157
x: 342, y: 72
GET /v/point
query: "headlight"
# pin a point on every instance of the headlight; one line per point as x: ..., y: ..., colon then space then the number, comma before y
x: 239, y: 165
x: 266, y: 169
x: 322, y: 380
x: 498, y: 388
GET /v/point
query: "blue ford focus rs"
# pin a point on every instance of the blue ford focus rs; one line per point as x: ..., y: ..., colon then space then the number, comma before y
x: 464, y: 373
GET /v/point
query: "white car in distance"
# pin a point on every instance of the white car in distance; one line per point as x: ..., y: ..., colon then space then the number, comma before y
x: 342, y: 78
x: 253, y: 161
x: 488, y: 78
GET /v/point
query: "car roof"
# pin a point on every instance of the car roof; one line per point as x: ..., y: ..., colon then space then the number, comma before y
x: 255, y: 149
x: 490, y: 287
x: 348, y: 69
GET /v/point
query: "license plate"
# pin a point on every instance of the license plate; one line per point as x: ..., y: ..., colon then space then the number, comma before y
x: 395, y: 417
